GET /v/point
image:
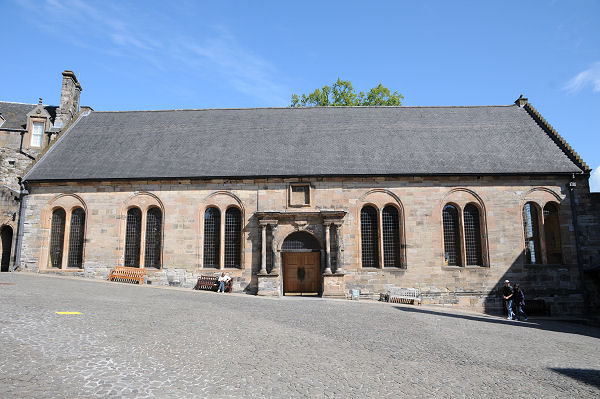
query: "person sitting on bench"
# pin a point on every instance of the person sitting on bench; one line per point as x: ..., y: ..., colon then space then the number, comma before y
x: 223, y: 279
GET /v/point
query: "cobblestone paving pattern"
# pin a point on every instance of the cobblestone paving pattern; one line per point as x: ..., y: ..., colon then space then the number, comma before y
x: 143, y: 342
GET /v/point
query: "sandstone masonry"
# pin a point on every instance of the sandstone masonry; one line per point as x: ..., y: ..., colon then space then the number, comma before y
x: 420, y: 201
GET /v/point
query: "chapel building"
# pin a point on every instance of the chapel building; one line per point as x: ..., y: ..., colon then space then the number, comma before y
x: 452, y: 200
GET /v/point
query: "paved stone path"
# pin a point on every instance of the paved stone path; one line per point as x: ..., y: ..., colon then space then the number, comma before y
x: 138, y: 341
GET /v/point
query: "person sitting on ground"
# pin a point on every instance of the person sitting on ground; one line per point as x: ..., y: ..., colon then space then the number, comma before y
x: 507, y: 294
x: 519, y: 301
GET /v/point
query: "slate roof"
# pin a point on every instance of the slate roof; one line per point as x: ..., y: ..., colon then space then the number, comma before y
x: 15, y: 114
x: 319, y: 141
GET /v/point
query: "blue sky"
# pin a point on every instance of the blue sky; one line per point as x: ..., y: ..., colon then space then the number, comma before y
x: 192, y: 54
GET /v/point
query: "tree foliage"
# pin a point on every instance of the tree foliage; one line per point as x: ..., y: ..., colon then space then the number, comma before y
x: 342, y: 94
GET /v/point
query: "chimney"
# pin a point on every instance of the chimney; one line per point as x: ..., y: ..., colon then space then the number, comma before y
x: 69, y: 99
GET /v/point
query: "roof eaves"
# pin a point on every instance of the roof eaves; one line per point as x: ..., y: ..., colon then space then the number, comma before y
x: 571, y: 153
x: 297, y: 176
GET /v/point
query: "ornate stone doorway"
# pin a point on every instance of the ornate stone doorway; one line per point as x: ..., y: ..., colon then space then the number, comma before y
x: 6, y: 236
x: 301, y: 265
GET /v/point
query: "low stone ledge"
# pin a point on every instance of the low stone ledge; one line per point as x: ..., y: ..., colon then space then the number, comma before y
x: 268, y: 285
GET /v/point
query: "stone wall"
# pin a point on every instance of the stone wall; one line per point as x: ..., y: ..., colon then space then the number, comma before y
x: 500, y: 199
x: 588, y: 217
x: 13, y: 164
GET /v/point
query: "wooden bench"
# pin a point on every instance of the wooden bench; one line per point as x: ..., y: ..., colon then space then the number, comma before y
x: 127, y: 274
x: 211, y: 283
x: 404, y: 295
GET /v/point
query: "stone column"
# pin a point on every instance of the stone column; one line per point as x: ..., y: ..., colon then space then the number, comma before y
x: 222, y: 241
x: 338, y: 236
x: 66, y: 239
x: 327, y: 248
x: 263, y: 260
x: 380, y: 236
x: 274, y: 250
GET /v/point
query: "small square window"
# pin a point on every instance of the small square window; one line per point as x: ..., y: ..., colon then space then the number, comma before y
x: 299, y: 195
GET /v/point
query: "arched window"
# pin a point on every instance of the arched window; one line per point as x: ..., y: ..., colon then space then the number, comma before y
x: 451, y: 236
x: 212, y: 233
x: 391, y: 236
x: 369, y: 233
x: 233, y: 237
x: 532, y: 234
x: 552, y: 234
x: 76, y: 236
x: 57, y: 237
x: 133, y: 234
x: 472, y: 235
x: 153, y: 238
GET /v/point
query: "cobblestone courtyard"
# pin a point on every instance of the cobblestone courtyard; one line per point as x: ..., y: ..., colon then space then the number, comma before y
x: 134, y: 341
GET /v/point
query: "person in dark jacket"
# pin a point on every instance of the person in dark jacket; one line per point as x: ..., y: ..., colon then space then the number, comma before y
x: 519, y: 302
x: 507, y: 294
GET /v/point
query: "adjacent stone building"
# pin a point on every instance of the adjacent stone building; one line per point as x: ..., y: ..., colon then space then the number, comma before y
x: 26, y: 130
x: 318, y: 201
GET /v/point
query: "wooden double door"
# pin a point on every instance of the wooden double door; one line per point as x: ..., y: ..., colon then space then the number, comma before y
x: 301, y: 273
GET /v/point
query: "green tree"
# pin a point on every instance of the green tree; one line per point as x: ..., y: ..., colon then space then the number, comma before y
x: 342, y: 94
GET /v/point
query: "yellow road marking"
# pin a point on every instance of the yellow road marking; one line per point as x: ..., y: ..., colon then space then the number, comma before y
x: 69, y: 313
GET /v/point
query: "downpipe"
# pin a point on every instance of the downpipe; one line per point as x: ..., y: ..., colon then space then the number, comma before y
x: 22, y: 198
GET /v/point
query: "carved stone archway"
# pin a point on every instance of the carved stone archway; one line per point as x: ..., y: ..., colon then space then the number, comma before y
x: 279, y: 225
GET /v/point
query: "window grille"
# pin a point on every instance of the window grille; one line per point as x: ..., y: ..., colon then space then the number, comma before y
x: 233, y: 237
x: 369, y: 233
x: 212, y: 233
x: 391, y: 236
x: 451, y: 236
x: 153, y: 238
x: 532, y: 234
x: 552, y: 234
x: 300, y: 241
x: 76, y: 236
x: 133, y: 234
x: 57, y: 237
x: 472, y: 228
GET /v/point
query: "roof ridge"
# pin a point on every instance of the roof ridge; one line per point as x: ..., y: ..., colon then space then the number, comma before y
x: 535, y: 114
x: 307, y: 108
x: 16, y: 102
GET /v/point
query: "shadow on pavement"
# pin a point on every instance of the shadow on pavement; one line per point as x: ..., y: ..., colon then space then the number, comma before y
x: 587, y: 376
x: 547, y: 325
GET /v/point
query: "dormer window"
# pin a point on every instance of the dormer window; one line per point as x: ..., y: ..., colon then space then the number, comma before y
x: 37, y: 134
